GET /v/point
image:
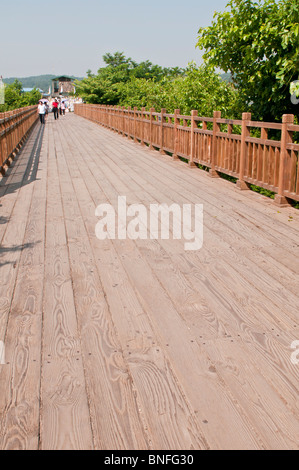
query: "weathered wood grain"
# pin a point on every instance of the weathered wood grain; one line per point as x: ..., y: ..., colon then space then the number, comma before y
x: 156, y: 302
x: 65, y: 420
x: 138, y: 344
x: 115, y: 418
x: 130, y: 184
x: 20, y: 377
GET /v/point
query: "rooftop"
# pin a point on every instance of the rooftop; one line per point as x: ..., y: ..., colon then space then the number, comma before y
x: 62, y: 78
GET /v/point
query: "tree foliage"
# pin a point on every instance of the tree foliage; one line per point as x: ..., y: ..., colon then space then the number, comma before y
x: 107, y: 86
x: 126, y: 83
x: 16, y: 98
x: 198, y: 88
x: 258, y: 42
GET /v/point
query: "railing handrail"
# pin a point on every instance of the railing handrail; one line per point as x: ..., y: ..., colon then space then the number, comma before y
x: 14, y: 127
x: 262, y: 161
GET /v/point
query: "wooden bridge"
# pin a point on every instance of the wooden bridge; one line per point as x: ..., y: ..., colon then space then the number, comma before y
x: 139, y: 344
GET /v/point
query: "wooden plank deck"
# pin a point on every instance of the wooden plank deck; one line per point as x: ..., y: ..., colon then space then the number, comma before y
x: 123, y: 344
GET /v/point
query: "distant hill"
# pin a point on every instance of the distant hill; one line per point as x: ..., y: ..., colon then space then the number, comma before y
x: 40, y: 81
x: 44, y: 81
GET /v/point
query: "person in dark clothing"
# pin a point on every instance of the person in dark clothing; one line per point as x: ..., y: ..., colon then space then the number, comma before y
x: 55, y: 109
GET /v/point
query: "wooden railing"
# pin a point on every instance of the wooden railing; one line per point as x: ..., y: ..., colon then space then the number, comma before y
x: 223, y: 146
x: 14, y: 127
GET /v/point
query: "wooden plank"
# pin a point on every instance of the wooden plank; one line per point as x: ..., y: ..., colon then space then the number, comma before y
x: 233, y: 207
x: 169, y: 422
x: 130, y: 183
x: 108, y: 314
x: 12, y: 181
x: 20, y: 377
x: 230, y: 204
x: 11, y: 247
x: 65, y: 420
x: 141, y: 275
x: 224, y: 216
x: 143, y: 186
x: 115, y: 418
x: 184, y: 192
x: 249, y: 204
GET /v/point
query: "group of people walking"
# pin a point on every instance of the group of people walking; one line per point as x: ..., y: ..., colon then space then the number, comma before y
x: 58, y: 107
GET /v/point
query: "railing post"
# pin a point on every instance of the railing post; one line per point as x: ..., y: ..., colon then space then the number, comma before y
x: 152, y: 110
x: 135, y: 124
x: 192, y: 139
x: 246, y: 117
x: 177, y: 112
x: 112, y: 118
x: 6, y: 136
x: 123, y: 121
x: 115, y: 119
x: 129, y: 122
x: 118, y: 119
x: 163, y: 111
x: 101, y: 115
x: 142, y: 127
x: 286, y: 138
x: 108, y: 117
x: 216, y: 128
x: 3, y: 144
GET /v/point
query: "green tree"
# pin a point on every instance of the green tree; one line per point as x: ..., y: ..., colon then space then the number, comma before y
x: 150, y: 71
x: 203, y: 90
x: 31, y: 98
x: 126, y: 83
x: 108, y: 85
x: 103, y: 88
x: 199, y: 88
x: 116, y: 59
x: 140, y: 92
x: 13, y: 96
x: 258, y: 43
x: 16, y: 98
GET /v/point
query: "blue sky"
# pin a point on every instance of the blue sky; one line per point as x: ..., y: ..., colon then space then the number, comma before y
x: 71, y: 36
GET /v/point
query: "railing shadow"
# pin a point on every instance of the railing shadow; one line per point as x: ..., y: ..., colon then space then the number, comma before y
x: 12, y: 249
x: 3, y: 219
x: 31, y: 168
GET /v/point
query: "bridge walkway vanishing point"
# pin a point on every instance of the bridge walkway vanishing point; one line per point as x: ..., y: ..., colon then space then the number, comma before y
x: 139, y: 344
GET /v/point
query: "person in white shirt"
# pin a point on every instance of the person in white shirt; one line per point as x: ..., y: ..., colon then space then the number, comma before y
x: 42, y: 112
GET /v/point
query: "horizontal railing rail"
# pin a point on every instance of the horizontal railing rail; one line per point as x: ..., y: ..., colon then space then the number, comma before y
x: 14, y: 127
x: 242, y: 149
